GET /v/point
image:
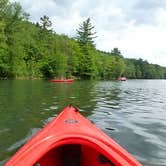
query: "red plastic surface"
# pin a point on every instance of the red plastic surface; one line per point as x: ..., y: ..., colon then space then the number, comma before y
x: 69, y: 128
x: 63, y: 80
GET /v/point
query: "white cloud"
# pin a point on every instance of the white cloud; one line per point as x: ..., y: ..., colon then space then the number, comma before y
x: 66, y: 25
x: 145, y: 42
x: 137, y: 27
x: 160, y: 17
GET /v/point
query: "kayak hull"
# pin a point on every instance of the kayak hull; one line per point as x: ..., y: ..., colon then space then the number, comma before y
x: 63, y: 80
x: 71, y: 138
x: 122, y: 78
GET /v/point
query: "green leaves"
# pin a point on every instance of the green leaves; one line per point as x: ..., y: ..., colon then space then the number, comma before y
x: 45, y: 22
x: 30, y: 50
x: 85, y: 35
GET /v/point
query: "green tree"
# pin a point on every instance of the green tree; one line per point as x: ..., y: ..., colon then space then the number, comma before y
x: 3, y: 8
x: 4, y: 55
x: 130, y: 70
x: 85, y: 35
x: 45, y: 22
x: 116, y: 52
x: 29, y: 50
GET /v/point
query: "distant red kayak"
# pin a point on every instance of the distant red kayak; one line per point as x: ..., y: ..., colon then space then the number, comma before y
x: 122, y: 78
x: 71, y: 140
x: 62, y: 80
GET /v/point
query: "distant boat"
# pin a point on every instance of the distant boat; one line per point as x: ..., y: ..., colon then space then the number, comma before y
x: 122, y: 78
x: 62, y: 80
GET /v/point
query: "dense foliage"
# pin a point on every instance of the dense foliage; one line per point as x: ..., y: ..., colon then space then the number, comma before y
x: 29, y: 50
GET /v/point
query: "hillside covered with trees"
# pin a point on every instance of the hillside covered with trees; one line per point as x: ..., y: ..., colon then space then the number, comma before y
x: 33, y: 50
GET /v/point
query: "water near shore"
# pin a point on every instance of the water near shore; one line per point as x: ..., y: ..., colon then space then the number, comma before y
x: 132, y: 112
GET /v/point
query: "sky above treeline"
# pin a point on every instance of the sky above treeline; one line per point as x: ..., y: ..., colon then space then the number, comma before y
x: 136, y: 27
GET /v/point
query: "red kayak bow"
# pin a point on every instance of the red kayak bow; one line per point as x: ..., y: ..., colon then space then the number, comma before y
x: 71, y: 140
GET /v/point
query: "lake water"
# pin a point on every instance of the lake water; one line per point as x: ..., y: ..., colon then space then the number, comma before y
x: 132, y: 112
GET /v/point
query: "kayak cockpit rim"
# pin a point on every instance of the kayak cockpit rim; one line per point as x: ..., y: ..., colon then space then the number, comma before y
x: 102, y: 150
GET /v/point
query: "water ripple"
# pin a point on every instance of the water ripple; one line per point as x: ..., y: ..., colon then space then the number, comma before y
x: 132, y: 112
x: 136, y: 113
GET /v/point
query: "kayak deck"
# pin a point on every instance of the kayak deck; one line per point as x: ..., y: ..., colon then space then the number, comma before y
x: 71, y: 140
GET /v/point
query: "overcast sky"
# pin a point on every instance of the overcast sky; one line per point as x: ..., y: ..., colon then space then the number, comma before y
x: 136, y: 27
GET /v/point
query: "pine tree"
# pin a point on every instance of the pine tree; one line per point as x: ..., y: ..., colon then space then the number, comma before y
x: 85, y: 38
x: 45, y: 22
x: 85, y: 35
x: 116, y: 52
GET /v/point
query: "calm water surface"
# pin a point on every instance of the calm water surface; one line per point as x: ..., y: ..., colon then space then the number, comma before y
x: 132, y: 112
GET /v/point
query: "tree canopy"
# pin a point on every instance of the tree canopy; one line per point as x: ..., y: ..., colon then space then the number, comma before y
x: 45, y: 22
x: 85, y: 34
x: 33, y: 50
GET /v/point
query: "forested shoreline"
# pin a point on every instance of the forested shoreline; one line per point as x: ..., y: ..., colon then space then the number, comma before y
x: 33, y: 50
